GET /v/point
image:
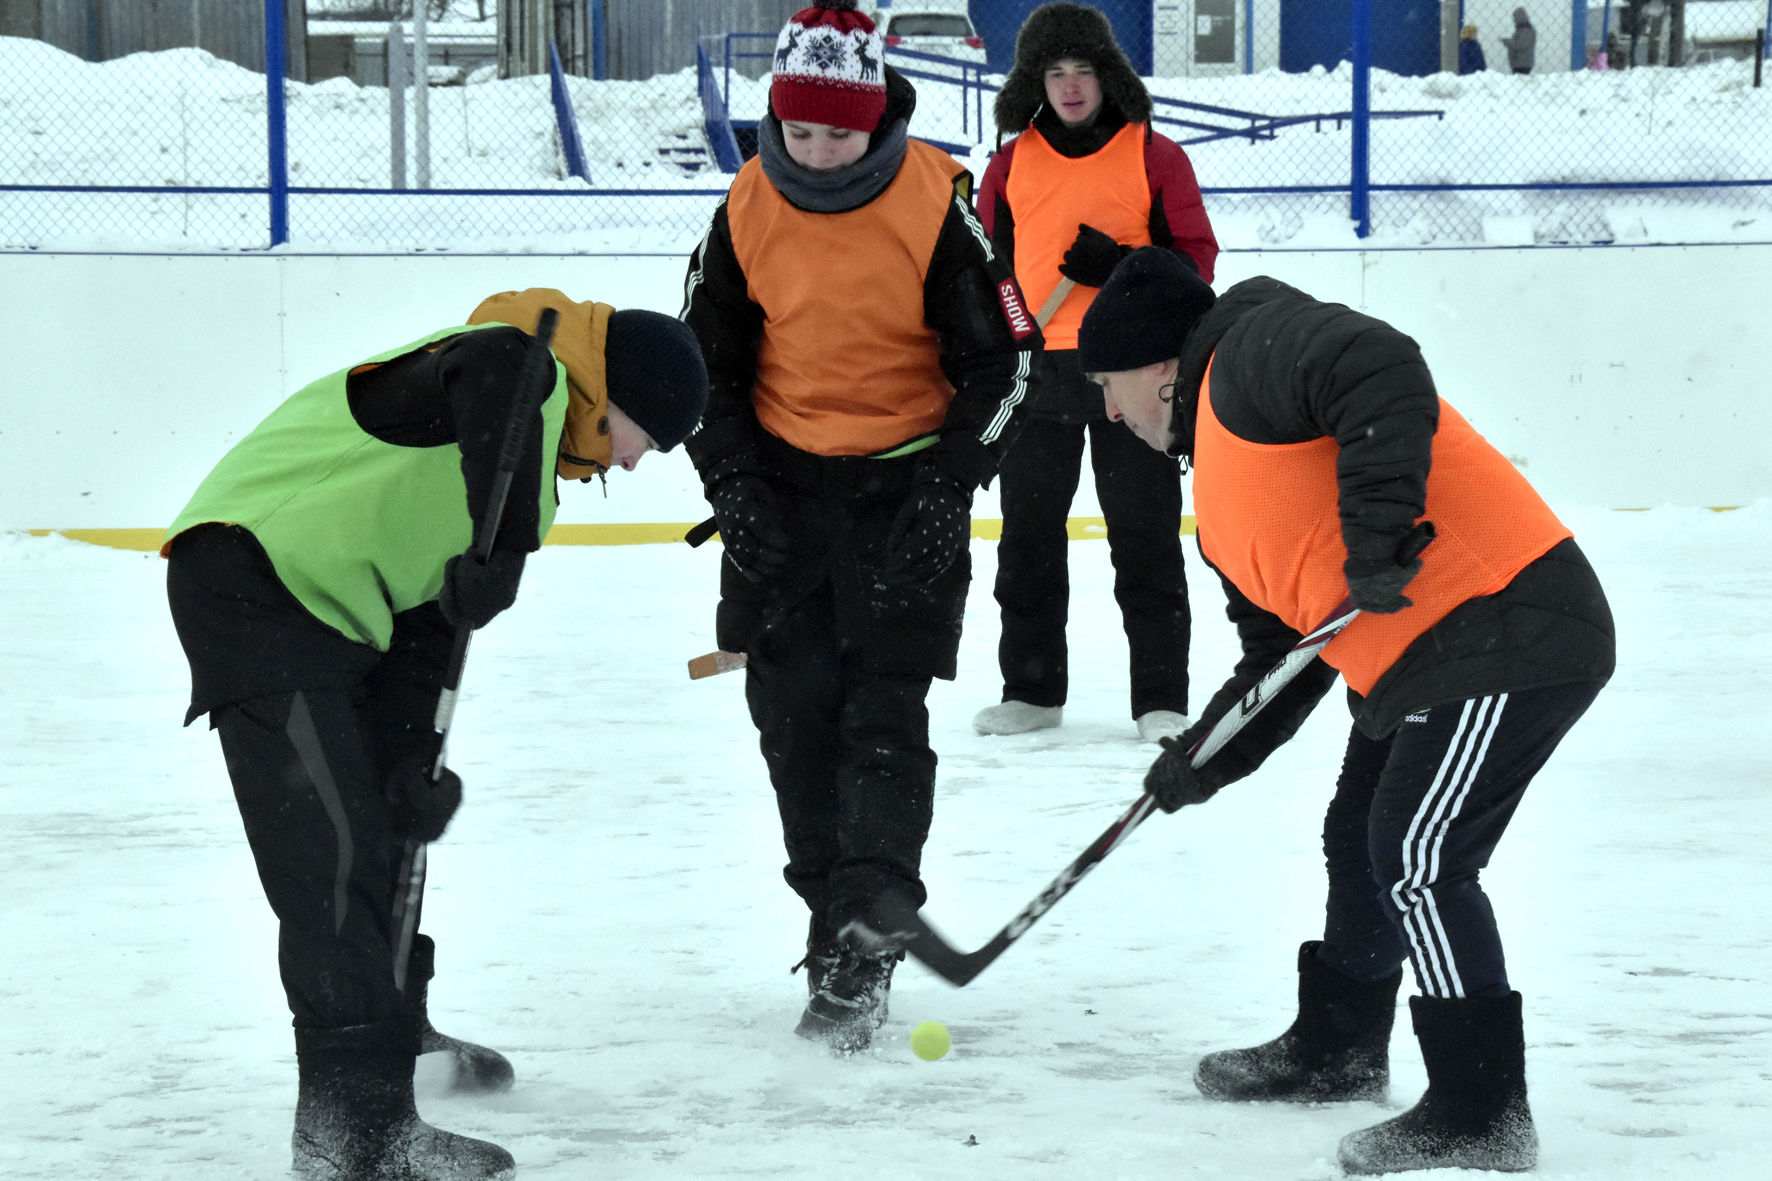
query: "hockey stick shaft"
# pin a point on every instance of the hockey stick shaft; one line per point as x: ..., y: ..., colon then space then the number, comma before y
x: 535, y: 381
x: 898, y: 921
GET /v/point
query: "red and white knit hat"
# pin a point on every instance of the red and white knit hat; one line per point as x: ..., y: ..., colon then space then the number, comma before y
x: 828, y: 68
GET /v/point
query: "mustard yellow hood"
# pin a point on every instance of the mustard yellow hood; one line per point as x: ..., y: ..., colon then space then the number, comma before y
x: 585, y: 448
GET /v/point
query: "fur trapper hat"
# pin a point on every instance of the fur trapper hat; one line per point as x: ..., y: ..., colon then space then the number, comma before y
x: 1055, y: 31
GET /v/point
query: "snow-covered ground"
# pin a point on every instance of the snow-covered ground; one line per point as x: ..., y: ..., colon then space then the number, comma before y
x: 610, y: 913
x: 184, y: 118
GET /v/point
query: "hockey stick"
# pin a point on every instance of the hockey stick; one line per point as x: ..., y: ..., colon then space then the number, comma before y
x: 898, y: 924
x: 1050, y: 307
x: 535, y: 381
x: 714, y: 663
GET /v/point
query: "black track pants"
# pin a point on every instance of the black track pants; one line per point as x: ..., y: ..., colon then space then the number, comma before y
x: 848, y: 753
x: 1140, y: 494
x: 1415, y: 818
x: 308, y: 786
x: 310, y: 724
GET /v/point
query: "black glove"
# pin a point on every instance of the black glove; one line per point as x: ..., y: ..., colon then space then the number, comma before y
x: 422, y: 807
x: 931, y: 529
x: 473, y: 594
x: 750, y: 522
x: 1174, y: 782
x: 1376, y: 584
x: 1091, y: 258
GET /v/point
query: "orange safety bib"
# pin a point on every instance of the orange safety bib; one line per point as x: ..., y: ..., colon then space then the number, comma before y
x: 1268, y: 516
x: 846, y: 364
x: 1053, y: 194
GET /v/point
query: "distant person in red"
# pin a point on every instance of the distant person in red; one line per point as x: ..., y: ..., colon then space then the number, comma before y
x: 1082, y: 183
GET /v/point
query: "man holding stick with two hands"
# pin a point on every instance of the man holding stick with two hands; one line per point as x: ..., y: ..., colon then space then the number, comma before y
x: 1324, y: 466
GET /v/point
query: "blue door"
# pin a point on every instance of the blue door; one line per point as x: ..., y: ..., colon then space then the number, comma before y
x: 1405, y: 35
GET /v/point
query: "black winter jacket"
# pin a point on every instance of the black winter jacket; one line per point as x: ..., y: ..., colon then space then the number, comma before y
x: 1287, y: 368
x: 838, y: 510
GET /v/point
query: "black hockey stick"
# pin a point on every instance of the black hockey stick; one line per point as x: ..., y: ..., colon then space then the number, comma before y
x: 535, y: 382
x: 899, y: 924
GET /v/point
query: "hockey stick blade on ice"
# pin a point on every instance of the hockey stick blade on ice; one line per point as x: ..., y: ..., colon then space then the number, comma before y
x: 715, y: 663
x: 898, y: 923
x: 535, y: 381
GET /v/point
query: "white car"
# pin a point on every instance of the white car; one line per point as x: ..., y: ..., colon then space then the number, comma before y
x: 927, y: 26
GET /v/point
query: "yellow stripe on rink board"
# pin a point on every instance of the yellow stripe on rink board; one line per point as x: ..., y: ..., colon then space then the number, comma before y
x: 1079, y: 528
x: 146, y: 540
x: 984, y: 528
x: 617, y: 534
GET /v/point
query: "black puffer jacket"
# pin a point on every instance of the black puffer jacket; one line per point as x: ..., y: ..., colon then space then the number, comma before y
x: 839, y: 510
x: 1287, y: 368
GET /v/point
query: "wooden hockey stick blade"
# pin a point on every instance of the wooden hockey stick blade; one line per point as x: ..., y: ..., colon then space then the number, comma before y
x: 715, y: 663
x: 903, y: 926
x: 1050, y: 307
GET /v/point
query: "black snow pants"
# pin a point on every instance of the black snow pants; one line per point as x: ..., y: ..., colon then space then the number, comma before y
x: 1140, y: 494
x: 311, y: 723
x: 1414, y: 819
x: 849, y: 757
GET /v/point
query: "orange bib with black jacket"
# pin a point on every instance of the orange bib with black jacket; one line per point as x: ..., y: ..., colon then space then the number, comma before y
x: 1052, y: 194
x: 1268, y: 517
x: 846, y: 364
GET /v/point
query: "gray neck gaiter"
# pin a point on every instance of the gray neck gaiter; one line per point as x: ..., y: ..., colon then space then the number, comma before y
x: 847, y: 188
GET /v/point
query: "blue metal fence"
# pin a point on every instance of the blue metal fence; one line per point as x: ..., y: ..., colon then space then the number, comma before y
x: 161, y: 150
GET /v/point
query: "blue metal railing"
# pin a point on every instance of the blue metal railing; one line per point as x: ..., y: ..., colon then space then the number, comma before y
x: 716, y: 118
x: 565, y: 120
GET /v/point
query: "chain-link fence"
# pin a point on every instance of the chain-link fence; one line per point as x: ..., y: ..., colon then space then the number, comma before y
x: 119, y: 144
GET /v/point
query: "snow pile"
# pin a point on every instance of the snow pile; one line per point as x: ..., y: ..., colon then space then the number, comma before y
x: 182, y: 118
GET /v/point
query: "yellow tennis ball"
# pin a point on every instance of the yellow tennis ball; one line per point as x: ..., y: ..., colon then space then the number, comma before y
x: 930, y: 1040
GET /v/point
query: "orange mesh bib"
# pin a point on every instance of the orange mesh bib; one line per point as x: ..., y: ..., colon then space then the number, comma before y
x: 1268, y: 516
x: 1053, y: 194
x: 846, y: 364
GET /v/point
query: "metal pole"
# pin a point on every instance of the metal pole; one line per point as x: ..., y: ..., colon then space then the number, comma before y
x: 277, y: 119
x: 421, y: 92
x: 1360, y: 184
x: 599, y: 44
x: 396, y: 106
x: 1249, y: 36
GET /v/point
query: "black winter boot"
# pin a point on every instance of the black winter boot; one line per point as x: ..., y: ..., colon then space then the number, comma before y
x: 849, y: 1003
x: 1474, y: 1115
x: 823, y: 953
x: 355, y: 1119
x: 477, y: 1069
x: 1338, y: 1048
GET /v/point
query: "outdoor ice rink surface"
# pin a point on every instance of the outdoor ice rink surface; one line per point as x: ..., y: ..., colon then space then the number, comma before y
x: 610, y: 913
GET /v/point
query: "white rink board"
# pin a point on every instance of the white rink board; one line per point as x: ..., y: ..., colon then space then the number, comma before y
x: 1617, y: 377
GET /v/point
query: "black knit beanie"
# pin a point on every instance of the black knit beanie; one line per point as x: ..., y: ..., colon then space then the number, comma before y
x: 655, y: 374
x: 1143, y: 314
